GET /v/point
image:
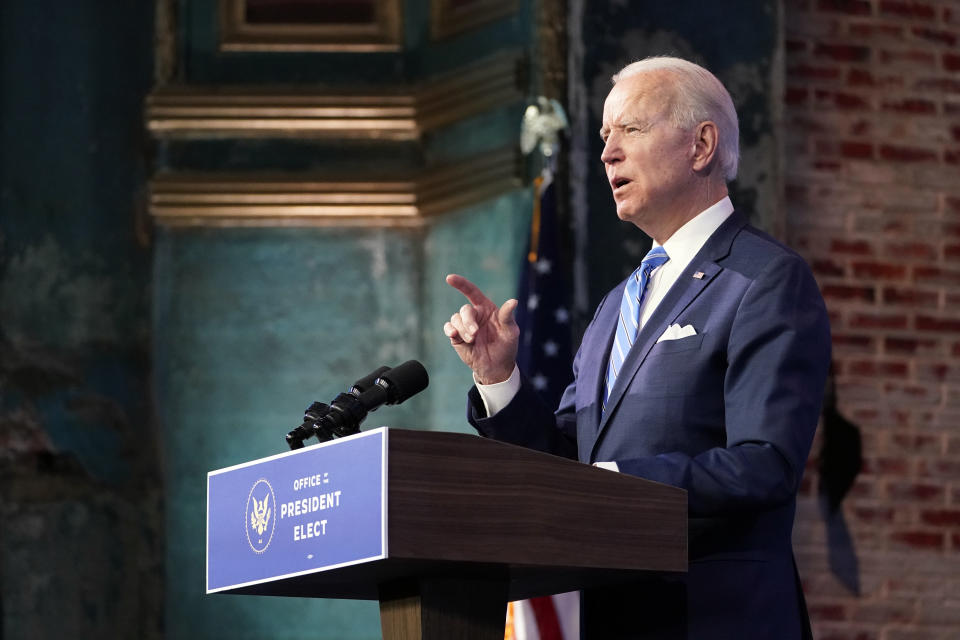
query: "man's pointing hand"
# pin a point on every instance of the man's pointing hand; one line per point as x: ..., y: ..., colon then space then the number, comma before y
x: 484, y: 336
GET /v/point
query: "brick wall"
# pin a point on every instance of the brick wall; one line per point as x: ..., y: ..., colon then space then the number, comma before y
x: 873, y: 190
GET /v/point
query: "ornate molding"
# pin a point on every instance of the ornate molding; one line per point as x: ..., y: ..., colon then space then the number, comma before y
x: 382, y: 33
x: 449, y: 17
x: 220, y: 200
x: 205, y: 112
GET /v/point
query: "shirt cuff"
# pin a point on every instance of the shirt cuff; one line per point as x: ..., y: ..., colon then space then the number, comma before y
x: 499, y: 394
x: 609, y: 466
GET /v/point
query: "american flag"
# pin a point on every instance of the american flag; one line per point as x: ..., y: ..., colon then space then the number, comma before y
x: 544, y: 356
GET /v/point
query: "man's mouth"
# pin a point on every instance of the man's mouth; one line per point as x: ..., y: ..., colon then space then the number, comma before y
x: 616, y: 183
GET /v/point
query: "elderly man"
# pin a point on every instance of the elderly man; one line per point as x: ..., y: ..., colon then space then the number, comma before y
x: 704, y: 369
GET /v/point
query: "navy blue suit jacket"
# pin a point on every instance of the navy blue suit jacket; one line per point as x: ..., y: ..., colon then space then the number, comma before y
x: 728, y: 414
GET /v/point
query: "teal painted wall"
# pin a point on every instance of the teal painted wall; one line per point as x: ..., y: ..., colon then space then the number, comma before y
x: 81, y: 528
x: 251, y: 325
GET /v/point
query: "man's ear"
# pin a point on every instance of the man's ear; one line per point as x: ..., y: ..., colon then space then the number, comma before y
x: 706, y: 138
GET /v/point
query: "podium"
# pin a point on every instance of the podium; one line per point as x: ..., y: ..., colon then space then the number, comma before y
x: 441, y: 528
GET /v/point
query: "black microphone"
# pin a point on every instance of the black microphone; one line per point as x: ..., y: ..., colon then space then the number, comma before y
x: 343, y: 416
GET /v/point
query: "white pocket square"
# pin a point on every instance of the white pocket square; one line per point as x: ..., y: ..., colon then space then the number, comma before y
x: 675, y: 332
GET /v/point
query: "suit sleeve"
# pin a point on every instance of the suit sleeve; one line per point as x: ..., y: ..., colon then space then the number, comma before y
x: 778, y: 354
x: 527, y: 421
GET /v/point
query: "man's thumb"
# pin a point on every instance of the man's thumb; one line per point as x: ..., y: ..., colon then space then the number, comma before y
x: 505, y: 314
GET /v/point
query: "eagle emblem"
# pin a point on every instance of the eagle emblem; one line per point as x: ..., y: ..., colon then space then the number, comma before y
x: 260, y: 518
x: 260, y: 514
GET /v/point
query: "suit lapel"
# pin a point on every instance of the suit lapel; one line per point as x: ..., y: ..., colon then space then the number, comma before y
x: 593, y: 366
x: 683, y: 292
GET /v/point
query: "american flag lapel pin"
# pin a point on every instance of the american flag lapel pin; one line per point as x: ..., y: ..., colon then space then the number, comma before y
x: 698, y: 275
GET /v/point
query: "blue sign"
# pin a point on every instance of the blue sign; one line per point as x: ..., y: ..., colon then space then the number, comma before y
x: 304, y: 511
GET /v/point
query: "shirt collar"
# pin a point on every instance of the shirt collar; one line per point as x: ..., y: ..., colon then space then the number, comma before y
x: 690, y: 238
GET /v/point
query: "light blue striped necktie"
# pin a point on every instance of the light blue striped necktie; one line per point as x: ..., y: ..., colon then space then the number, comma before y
x: 628, y: 325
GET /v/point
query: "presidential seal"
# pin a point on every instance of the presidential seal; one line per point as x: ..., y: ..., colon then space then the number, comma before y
x: 261, y: 516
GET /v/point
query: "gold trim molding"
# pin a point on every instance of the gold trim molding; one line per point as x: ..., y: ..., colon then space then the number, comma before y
x: 238, y: 200
x: 384, y: 34
x: 448, y: 19
x: 204, y: 112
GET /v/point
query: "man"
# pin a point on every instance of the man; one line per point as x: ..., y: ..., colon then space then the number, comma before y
x: 704, y: 370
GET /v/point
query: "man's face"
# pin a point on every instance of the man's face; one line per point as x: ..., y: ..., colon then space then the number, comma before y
x: 648, y: 160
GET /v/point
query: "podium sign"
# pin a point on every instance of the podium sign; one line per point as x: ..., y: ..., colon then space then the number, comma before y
x: 296, y: 513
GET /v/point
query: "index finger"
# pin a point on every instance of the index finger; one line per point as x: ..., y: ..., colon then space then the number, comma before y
x: 468, y: 289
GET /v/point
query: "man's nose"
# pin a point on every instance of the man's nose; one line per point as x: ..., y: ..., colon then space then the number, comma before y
x: 611, y: 149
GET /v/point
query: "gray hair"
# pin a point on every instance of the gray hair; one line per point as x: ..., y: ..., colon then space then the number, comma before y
x: 699, y: 97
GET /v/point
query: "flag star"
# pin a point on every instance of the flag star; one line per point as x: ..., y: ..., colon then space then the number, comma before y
x: 551, y: 348
x: 561, y: 315
x: 533, y: 301
x: 539, y: 382
x: 543, y: 266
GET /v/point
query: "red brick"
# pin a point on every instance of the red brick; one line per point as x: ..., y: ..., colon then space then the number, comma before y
x: 905, y: 9
x: 857, y: 150
x: 935, y: 275
x: 955, y: 541
x: 919, y: 539
x: 917, y: 443
x: 940, y: 469
x: 878, y: 321
x: 873, y: 368
x: 886, y: 466
x: 951, y: 61
x: 910, y: 105
x: 849, y: 101
x: 915, y: 491
x: 845, y: 292
x: 810, y: 72
x: 955, y: 132
x: 795, y: 46
x: 941, y: 517
x: 861, y: 127
x: 873, y: 515
x: 824, y: 611
x: 951, y: 156
x: 844, y: 634
x: 911, y: 297
x: 796, y: 95
x: 825, y: 267
x: 942, y: 85
x: 827, y: 165
x: 842, y: 52
x: 852, y: 7
x: 847, y: 342
x: 911, y: 394
x: 920, y: 250
x: 884, y: 612
x: 907, y: 346
x: 863, y: 488
x: 951, y: 252
x: 879, y: 270
x: 906, y: 154
x: 935, y: 35
x: 946, y: 325
x: 871, y: 30
x: 937, y: 371
x: 912, y: 57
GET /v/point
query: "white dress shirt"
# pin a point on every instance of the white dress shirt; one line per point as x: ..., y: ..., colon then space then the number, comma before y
x: 682, y: 246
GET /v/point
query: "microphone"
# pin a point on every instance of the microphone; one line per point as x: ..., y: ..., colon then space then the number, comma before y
x: 342, y: 417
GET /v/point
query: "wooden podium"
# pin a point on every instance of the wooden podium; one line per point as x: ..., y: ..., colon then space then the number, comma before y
x: 472, y: 523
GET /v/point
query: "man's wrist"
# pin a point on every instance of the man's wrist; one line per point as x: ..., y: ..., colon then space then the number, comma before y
x: 498, y: 395
x: 496, y: 377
